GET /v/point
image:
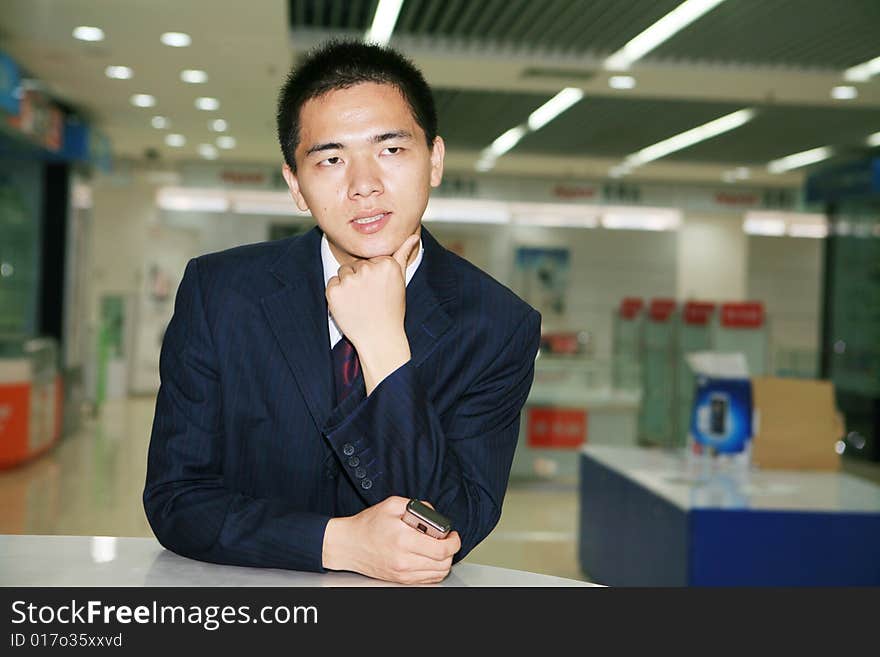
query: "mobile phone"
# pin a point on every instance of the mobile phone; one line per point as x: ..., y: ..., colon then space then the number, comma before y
x: 718, y: 414
x: 423, y: 518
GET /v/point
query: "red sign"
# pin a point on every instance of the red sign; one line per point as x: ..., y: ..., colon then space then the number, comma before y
x: 15, y: 412
x: 40, y: 119
x: 574, y: 191
x: 561, y: 343
x: 661, y: 309
x: 698, y: 312
x: 233, y: 177
x: 732, y: 198
x: 561, y: 428
x: 630, y: 307
x: 742, y: 315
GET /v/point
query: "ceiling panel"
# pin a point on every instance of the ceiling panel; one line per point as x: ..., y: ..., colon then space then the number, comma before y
x: 798, y: 33
x: 332, y: 15
x: 610, y: 127
x: 597, y: 26
x: 779, y: 131
x: 473, y: 119
x: 803, y: 33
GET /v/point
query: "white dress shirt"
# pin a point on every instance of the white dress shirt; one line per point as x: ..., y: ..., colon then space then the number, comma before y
x: 331, y: 267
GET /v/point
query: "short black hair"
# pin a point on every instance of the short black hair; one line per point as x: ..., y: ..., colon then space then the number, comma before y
x: 340, y: 64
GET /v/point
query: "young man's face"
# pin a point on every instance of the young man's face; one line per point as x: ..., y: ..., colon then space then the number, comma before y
x: 364, y: 169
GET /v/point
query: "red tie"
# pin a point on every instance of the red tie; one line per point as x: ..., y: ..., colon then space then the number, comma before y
x: 346, y: 368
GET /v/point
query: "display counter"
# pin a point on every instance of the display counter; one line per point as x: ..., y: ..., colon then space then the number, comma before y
x: 30, y: 399
x: 571, y: 403
x: 115, y: 561
x: 656, y: 518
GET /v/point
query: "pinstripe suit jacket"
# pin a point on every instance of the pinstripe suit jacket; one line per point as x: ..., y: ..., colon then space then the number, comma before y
x: 249, y: 458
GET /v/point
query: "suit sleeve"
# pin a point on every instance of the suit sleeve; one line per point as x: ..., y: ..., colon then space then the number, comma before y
x: 189, y: 507
x: 459, y: 462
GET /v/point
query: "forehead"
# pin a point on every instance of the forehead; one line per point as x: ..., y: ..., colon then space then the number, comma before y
x: 349, y: 110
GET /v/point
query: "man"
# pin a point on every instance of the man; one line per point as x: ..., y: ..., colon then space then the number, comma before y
x: 311, y: 386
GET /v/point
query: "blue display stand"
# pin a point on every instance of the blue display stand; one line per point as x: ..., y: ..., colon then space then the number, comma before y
x: 648, y: 519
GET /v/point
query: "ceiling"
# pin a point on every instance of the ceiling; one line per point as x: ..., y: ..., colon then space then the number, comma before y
x: 491, y: 64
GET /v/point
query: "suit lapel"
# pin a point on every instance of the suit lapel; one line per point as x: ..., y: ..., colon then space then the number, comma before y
x: 428, y: 300
x: 298, y: 317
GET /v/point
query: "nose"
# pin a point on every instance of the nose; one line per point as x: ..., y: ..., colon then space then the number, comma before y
x: 364, y: 179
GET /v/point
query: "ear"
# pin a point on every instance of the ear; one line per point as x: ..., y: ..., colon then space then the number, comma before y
x: 293, y: 185
x: 438, y: 153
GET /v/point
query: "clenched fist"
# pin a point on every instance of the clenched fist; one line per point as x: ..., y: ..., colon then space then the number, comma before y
x: 367, y: 300
x: 377, y: 543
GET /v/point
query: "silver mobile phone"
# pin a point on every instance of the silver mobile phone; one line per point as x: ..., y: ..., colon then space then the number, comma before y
x: 423, y: 518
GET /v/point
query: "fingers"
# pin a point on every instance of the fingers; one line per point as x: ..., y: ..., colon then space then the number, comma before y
x: 424, y: 577
x: 428, y: 547
x: 418, y: 569
x: 394, y: 505
x: 345, y: 270
x: 402, y: 254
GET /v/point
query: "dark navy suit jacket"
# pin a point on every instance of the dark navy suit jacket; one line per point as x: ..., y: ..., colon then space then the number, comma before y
x: 249, y: 458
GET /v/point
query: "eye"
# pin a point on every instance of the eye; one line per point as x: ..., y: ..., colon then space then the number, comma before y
x: 392, y: 150
x: 330, y: 161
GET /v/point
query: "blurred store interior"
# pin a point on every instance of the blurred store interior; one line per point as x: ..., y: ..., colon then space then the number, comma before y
x: 657, y: 177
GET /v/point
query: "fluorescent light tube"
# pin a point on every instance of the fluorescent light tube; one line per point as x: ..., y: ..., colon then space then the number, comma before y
x: 118, y: 72
x: 193, y: 76
x: 673, y: 22
x: 873, y: 140
x: 143, y: 100
x: 558, y: 215
x: 844, y: 92
x: 88, y: 33
x: 507, y: 141
x: 207, y: 104
x: 796, y: 224
x: 690, y: 137
x: 384, y: 21
x: 801, y: 159
x: 862, y: 72
x: 467, y: 211
x: 182, y: 199
x: 175, y: 140
x: 176, y: 39
x: 554, y: 107
x: 208, y: 151
x: 621, y: 82
x: 625, y: 218
x: 808, y: 230
x: 764, y: 226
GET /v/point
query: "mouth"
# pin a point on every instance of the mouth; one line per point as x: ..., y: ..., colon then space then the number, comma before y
x: 365, y: 220
x: 370, y: 222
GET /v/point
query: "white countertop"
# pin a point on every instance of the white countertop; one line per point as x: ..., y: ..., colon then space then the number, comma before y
x: 114, y: 561
x: 671, y: 475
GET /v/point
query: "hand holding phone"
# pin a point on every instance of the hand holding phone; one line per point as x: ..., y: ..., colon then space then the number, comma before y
x: 423, y: 518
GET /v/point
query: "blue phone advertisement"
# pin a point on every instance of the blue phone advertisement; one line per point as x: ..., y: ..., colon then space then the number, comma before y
x: 721, y: 420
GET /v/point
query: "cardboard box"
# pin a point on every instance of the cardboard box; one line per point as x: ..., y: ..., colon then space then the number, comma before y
x: 797, y: 426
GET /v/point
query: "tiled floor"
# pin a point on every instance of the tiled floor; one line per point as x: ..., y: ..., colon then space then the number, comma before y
x: 91, y: 484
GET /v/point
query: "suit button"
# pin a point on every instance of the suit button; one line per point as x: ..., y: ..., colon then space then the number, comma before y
x: 367, y: 484
x: 348, y: 449
x: 360, y: 473
x: 354, y: 461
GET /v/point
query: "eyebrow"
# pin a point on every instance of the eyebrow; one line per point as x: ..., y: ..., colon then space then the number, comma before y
x: 377, y: 139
